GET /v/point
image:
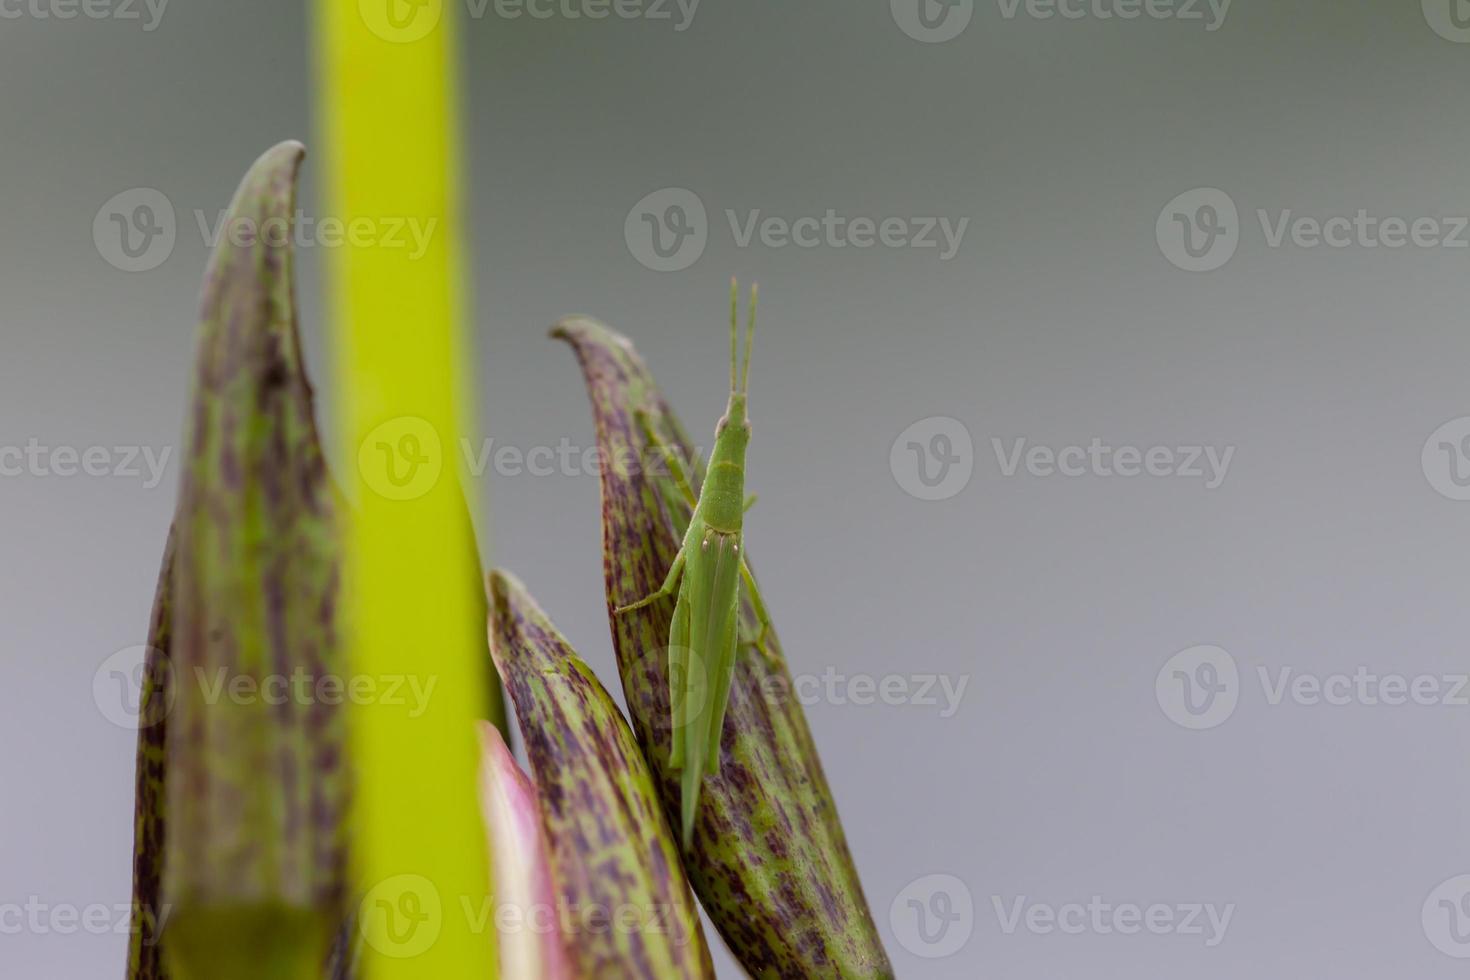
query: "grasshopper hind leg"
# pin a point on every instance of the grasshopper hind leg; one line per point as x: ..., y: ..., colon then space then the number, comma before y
x: 680, y: 696
x: 747, y: 579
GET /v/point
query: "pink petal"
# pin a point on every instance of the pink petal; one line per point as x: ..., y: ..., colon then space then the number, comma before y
x: 531, y: 944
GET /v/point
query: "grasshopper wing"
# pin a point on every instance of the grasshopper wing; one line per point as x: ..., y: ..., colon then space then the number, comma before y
x: 713, y: 582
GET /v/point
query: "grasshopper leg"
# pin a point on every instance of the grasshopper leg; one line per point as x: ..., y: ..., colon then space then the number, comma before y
x: 682, y: 701
x: 681, y: 520
x: 680, y: 501
x: 753, y: 590
x: 671, y: 582
x: 676, y: 473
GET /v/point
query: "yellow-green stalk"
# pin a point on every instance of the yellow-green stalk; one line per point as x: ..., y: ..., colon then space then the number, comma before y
x: 387, y: 105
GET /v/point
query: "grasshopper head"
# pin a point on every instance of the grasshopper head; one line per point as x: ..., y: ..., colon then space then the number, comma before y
x: 735, y: 423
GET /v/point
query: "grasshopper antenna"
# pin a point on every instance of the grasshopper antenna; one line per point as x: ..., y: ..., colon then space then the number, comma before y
x: 734, y: 317
x: 749, y: 339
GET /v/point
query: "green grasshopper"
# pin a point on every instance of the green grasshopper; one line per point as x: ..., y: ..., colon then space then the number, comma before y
x: 708, y: 574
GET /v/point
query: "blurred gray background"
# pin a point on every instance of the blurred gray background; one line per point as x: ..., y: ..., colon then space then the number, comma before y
x: 1072, y: 769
